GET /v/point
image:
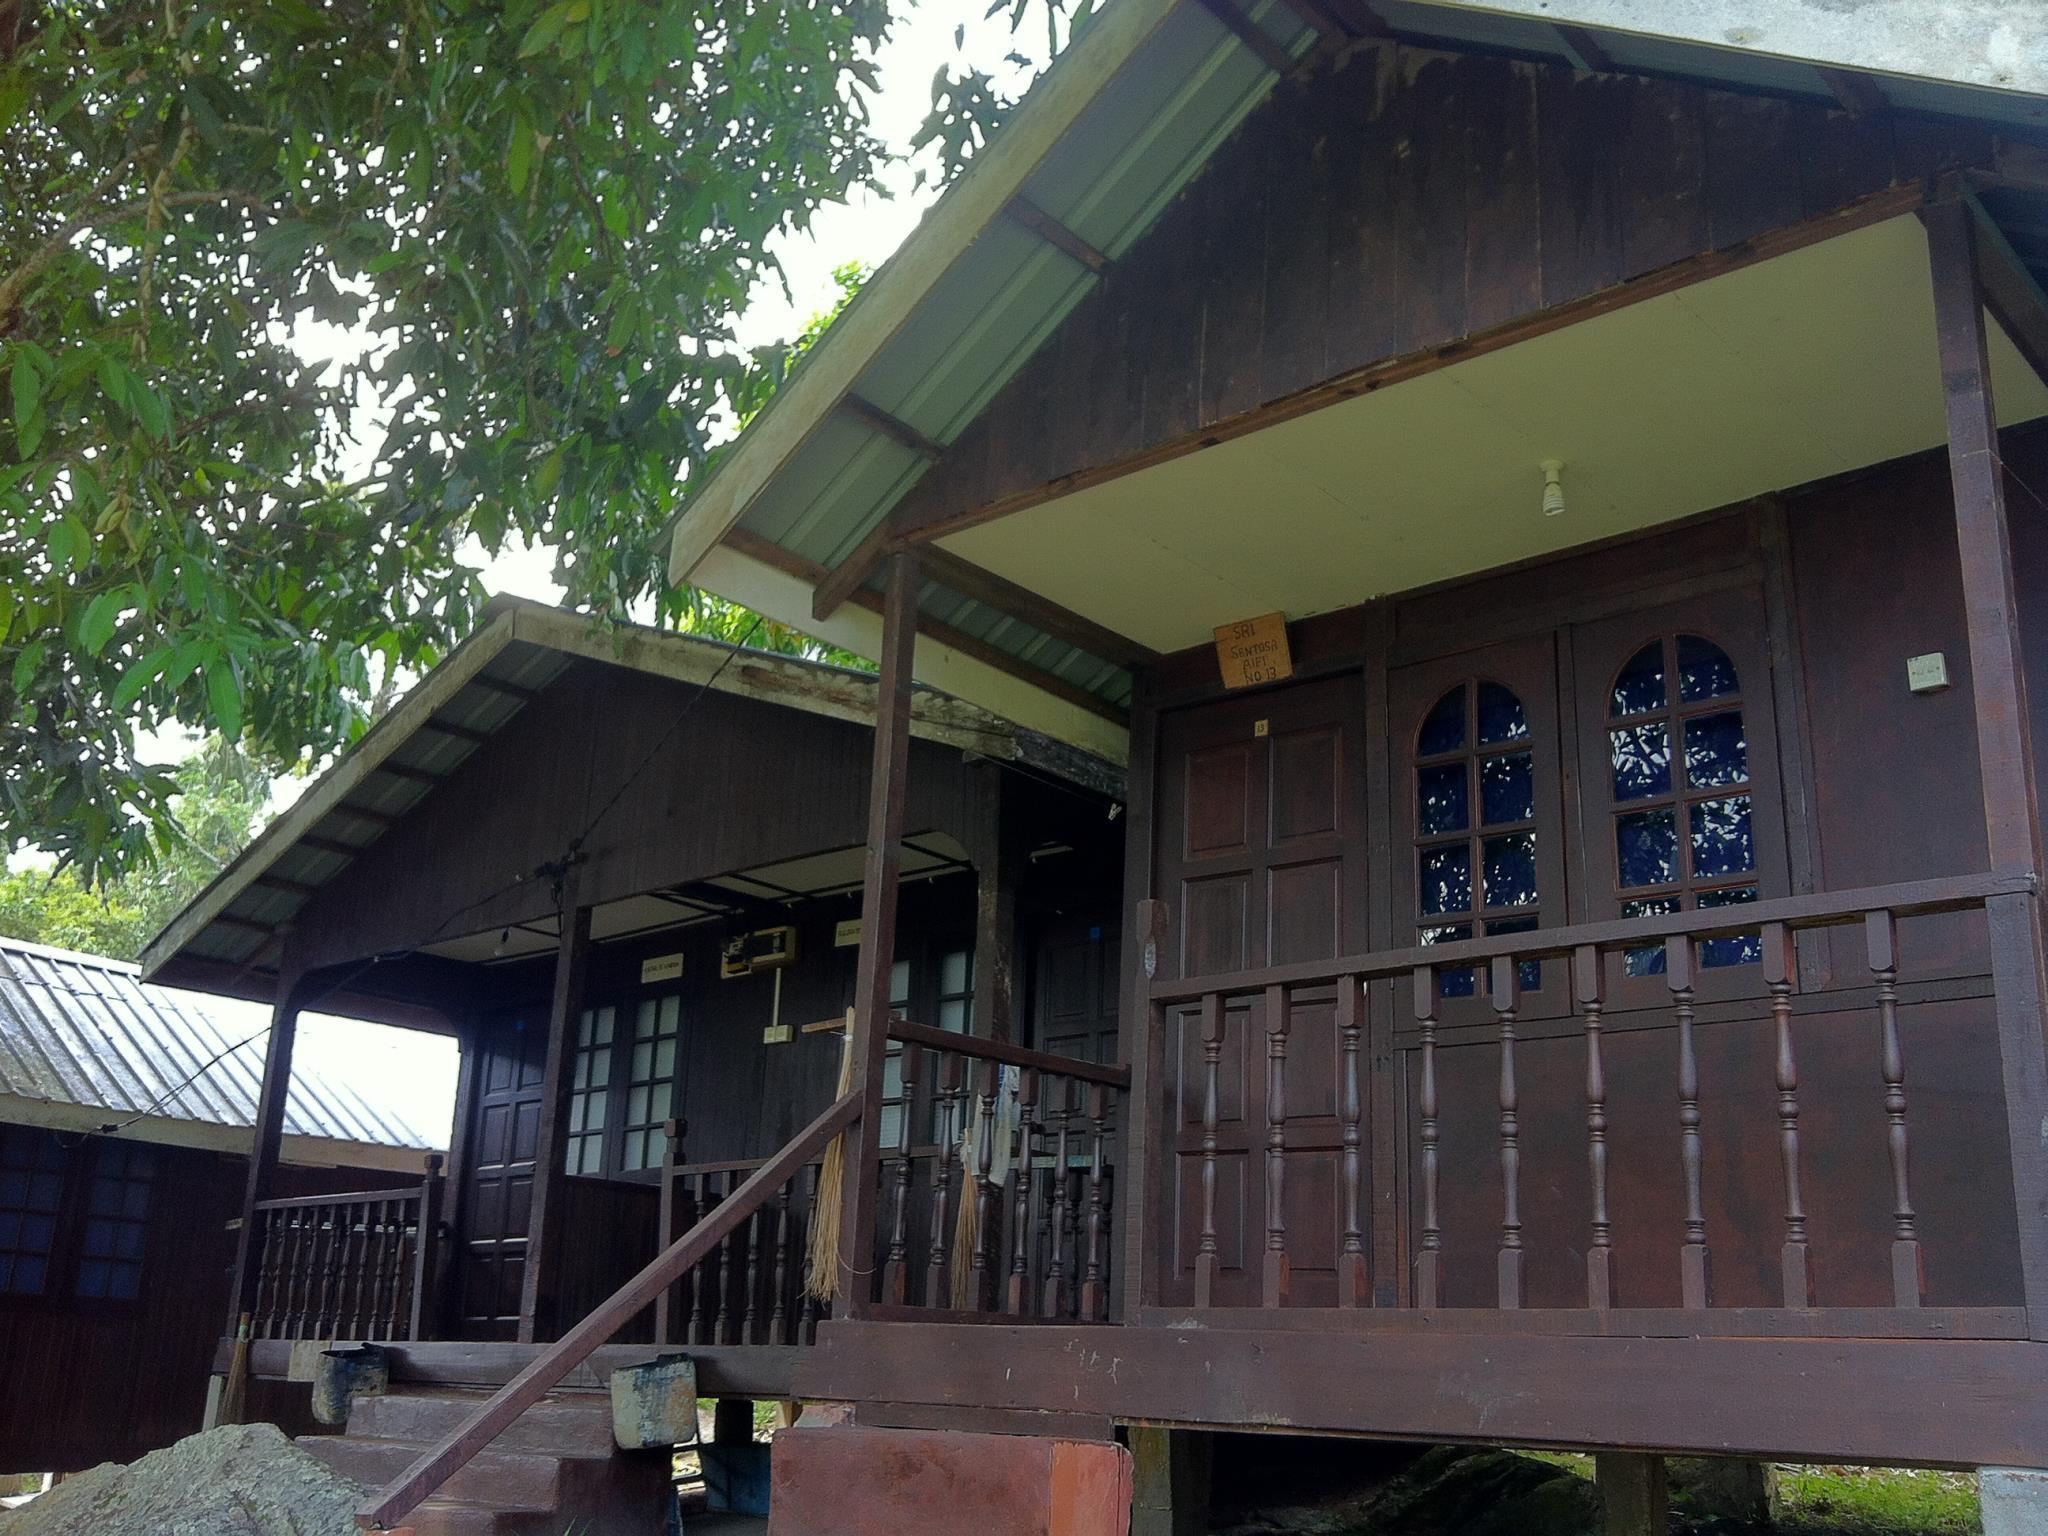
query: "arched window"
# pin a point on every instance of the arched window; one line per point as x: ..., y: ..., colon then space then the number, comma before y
x: 1679, y: 760
x: 1475, y: 823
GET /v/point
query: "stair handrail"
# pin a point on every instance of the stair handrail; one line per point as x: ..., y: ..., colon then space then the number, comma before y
x: 435, y: 1466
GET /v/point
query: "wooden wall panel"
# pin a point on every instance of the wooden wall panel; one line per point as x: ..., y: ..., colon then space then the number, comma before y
x: 1396, y: 203
x: 744, y: 783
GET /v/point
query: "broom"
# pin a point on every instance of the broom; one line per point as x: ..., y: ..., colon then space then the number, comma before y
x: 821, y: 1275
x: 967, y: 1223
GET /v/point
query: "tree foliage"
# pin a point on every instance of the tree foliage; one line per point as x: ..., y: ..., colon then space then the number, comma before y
x: 219, y: 799
x: 543, y: 215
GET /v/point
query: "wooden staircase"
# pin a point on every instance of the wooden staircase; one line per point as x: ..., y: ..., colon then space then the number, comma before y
x: 552, y: 1469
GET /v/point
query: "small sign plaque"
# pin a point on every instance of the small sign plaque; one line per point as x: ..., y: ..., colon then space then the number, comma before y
x: 1253, y: 651
x: 661, y: 968
x: 846, y: 932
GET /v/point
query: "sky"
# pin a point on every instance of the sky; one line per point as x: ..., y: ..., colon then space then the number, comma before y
x: 411, y: 1072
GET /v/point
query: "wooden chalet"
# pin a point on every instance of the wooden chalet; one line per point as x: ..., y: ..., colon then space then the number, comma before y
x: 126, y: 1116
x: 1552, y: 518
x: 624, y: 868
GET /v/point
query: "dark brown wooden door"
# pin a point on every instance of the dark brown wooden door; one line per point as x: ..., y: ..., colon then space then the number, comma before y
x: 1679, y: 800
x: 504, y: 1130
x: 1262, y: 861
x: 1074, y: 1002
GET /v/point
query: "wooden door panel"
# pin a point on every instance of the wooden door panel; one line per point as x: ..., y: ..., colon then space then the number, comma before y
x: 504, y: 1133
x: 1262, y: 857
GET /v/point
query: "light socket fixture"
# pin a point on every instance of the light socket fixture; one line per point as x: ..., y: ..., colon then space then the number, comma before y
x: 1553, y: 487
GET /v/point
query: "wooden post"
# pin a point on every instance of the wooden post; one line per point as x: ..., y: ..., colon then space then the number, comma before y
x: 1170, y: 1481
x: 269, y: 1137
x: 870, y: 1042
x: 1635, y: 1497
x: 426, y: 1253
x: 1589, y: 995
x: 999, y: 858
x: 1353, y: 1279
x: 539, y: 1287
x: 2004, y: 743
x: 665, y: 1227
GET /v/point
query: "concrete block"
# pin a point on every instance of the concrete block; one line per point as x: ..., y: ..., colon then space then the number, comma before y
x: 1727, y: 1487
x: 2015, y: 1501
x: 856, y: 1481
x: 1171, y: 1475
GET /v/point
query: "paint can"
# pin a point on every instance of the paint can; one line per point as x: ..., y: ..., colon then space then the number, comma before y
x: 361, y: 1370
x: 654, y: 1406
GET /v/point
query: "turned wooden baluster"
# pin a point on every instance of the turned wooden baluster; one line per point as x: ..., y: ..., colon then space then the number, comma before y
x: 757, y: 1232
x: 293, y: 1272
x: 1054, y: 1302
x: 364, y: 1244
x: 1429, y: 1259
x: 1094, y: 1290
x: 1692, y: 1254
x: 1589, y: 995
x: 261, y: 1243
x: 665, y: 1212
x: 1017, y: 1300
x: 896, y: 1267
x: 1506, y: 986
x: 398, y: 1264
x: 936, y: 1292
x: 1909, y: 1276
x: 700, y: 1278
x: 326, y: 1225
x: 1206, y: 1251
x: 986, y: 1213
x: 1278, y: 1273
x: 1780, y: 975
x: 722, y: 1268
x: 1353, y: 1288
x: 778, y: 1312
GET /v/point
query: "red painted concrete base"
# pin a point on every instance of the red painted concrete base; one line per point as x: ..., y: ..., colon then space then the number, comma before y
x: 850, y: 1481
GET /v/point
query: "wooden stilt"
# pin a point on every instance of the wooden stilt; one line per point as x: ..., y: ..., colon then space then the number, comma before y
x: 540, y: 1284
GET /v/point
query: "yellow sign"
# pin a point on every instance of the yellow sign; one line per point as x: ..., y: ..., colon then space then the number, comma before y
x: 1253, y: 651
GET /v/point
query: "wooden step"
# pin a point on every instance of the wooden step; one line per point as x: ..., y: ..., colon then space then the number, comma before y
x: 452, y: 1517
x: 500, y: 1479
x: 578, y: 1425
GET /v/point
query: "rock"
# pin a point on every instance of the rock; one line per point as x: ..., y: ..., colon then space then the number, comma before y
x: 1450, y: 1489
x: 1725, y: 1488
x: 238, y: 1480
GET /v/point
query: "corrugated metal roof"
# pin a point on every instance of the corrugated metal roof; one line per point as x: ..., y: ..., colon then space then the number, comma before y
x: 1181, y: 90
x: 86, y: 1031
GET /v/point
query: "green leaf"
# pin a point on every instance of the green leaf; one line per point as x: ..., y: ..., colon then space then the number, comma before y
x: 68, y: 541
x: 101, y: 615
x: 139, y: 677
x: 28, y: 664
x: 28, y: 392
x: 545, y: 479
x: 542, y: 34
x: 224, y: 693
x: 519, y: 159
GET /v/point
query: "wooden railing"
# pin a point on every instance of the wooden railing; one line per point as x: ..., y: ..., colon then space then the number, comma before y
x: 750, y: 1288
x: 436, y: 1465
x: 1039, y: 1239
x: 359, y: 1265
x: 1491, y: 971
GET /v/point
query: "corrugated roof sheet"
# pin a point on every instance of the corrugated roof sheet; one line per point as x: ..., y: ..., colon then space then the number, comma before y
x: 1180, y: 93
x: 84, y: 1030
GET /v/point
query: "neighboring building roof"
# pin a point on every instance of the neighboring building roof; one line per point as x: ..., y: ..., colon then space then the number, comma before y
x: 85, y: 1044
x: 1099, y: 146
x: 521, y: 648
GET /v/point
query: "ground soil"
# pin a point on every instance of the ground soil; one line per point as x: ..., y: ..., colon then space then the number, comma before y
x: 238, y: 1480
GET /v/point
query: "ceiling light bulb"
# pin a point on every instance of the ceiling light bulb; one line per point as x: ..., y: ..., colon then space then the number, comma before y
x: 1553, y: 487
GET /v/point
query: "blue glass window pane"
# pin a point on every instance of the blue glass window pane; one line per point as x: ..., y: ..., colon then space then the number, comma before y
x: 1741, y: 948
x: 1444, y: 729
x: 44, y: 1190
x: 129, y: 1244
x: 1507, y: 789
x: 13, y: 1188
x: 99, y: 1238
x: 10, y: 1228
x: 125, y: 1283
x: 1446, y: 879
x: 37, y: 1233
x: 1646, y: 847
x: 1721, y: 840
x: 1649, y: 960
x: 1443, y: 799
x: 1532, y: 970
x: 1459, y: 983
x: 92, y: 1278
x: 1704, y: 670
x: 6, y: 1273
x: 1716, y: 750
x: 1640, y: 688
x: 1501, y: 717
x: 1641, y: 755
x: 28, y: 1274
x: 1510, y: 870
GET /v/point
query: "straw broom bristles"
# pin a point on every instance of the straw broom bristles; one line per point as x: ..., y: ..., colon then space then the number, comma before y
x: 967, y: 1223
x: 821, y: 1277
